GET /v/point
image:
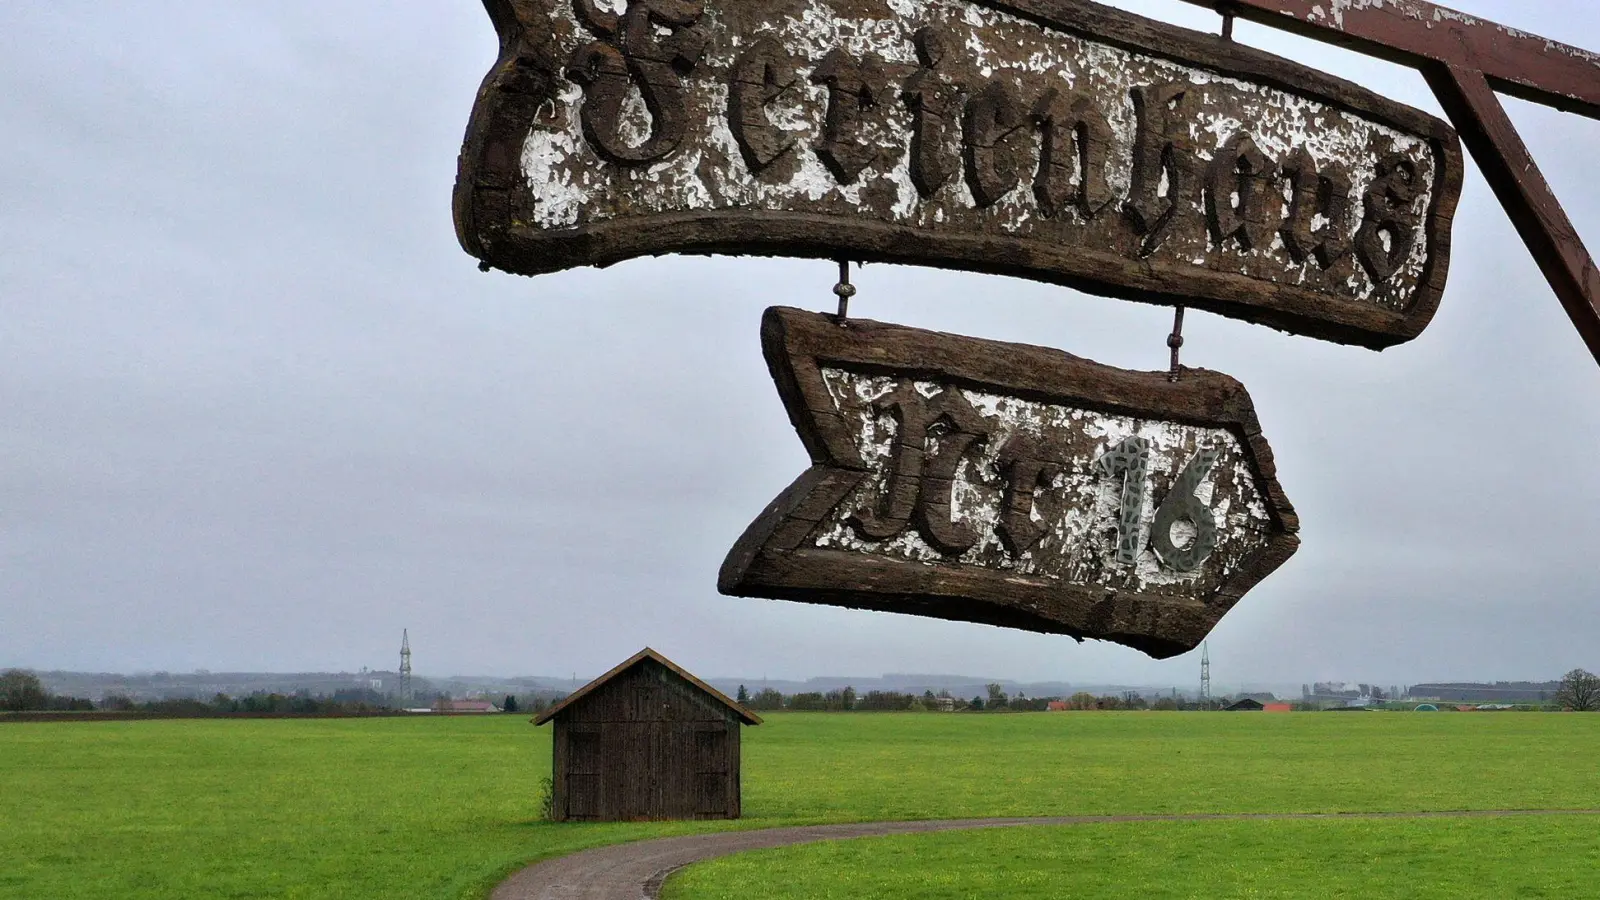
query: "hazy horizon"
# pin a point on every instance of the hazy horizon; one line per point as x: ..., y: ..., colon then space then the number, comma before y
x: 757, y: 679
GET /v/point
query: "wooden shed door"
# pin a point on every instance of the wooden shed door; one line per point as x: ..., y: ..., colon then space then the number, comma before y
x: 583, y: 771
x: 711, y: 769
x: 638, y: 772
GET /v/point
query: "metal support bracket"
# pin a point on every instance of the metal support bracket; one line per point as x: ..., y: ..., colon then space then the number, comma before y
x: 1465, y: 61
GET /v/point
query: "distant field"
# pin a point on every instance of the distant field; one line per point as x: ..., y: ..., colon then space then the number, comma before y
x: 443, y: 808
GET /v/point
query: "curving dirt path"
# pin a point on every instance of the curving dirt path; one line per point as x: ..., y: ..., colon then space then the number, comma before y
x: 635, y: 871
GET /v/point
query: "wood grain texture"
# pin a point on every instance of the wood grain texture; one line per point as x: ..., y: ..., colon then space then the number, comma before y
x: 924, y: 154
x: 646, y: 741
x: 1062, y: 585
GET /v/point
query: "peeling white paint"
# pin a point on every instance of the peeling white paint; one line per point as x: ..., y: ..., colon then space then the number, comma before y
x: 1079, y: 508
x: 709, y: 173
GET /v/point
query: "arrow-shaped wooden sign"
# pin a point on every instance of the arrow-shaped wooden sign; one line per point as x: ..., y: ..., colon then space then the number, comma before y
x: 1012, y: 485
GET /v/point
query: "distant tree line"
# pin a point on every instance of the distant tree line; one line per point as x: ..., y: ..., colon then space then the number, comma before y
x: 352, y: 702
x: 1580, y: 690
x: 530, y: 703
x: 21, y: 691
x: 995, y: 699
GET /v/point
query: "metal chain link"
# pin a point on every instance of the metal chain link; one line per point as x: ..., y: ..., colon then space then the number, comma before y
x: 844, y: 290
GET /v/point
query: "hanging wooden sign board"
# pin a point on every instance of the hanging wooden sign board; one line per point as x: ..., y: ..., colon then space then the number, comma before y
x: 1012, y: 485
x: 1057, y: 140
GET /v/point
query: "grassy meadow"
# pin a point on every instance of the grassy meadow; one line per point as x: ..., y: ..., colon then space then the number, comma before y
x: 1523, y: 858
x: 445, y: 807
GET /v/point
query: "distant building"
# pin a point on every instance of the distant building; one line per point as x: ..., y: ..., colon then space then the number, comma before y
x: 1339, y: 695
x: 1264, y: 697
x: 1333, y: 693
x: 464, y: 706
x: 1498, y: 692
x: 1248, y: 704
x: 944, y: 704
x: 1058, y: 706
x: 1277, y: 707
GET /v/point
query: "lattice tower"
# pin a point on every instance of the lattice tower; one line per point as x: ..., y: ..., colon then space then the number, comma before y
x: 405, y: 666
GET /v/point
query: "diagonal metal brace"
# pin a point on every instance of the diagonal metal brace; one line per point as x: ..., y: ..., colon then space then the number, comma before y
x: 1466, y: 60
x: 1515, y: 178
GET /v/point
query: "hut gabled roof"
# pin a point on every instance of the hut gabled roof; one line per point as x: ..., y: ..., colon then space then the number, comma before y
x: 745, y: 716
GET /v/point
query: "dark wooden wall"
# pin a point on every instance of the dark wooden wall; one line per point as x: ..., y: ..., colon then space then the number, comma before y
x: 646, y: 745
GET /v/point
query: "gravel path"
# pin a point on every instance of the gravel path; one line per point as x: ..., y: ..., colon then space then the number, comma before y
x: 636, y: 870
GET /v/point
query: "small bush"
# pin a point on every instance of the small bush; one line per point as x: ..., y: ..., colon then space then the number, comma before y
x: 545, y: 799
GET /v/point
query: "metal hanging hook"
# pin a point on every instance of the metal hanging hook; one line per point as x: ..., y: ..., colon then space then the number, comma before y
x: 1175, y: 341
x: 844, y: 290
x: 1225, y: 10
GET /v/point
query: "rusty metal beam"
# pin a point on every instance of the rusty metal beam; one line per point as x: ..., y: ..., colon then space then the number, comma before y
x: 1465, y: 60
x: 1516, y: 180
x: 1417, y: 33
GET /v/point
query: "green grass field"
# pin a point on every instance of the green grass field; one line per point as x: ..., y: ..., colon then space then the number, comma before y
x: 1554, y: 857
x: 443, y: 808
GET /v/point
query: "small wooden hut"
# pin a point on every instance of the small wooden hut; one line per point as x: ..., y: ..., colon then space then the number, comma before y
x: 645, y: 741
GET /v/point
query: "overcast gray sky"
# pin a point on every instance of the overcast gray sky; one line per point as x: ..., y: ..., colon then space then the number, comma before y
x: 259, y: 411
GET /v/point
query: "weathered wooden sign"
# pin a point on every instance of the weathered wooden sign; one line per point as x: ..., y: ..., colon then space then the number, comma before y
x: 1052, y: 139
x: 1012, y: 485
